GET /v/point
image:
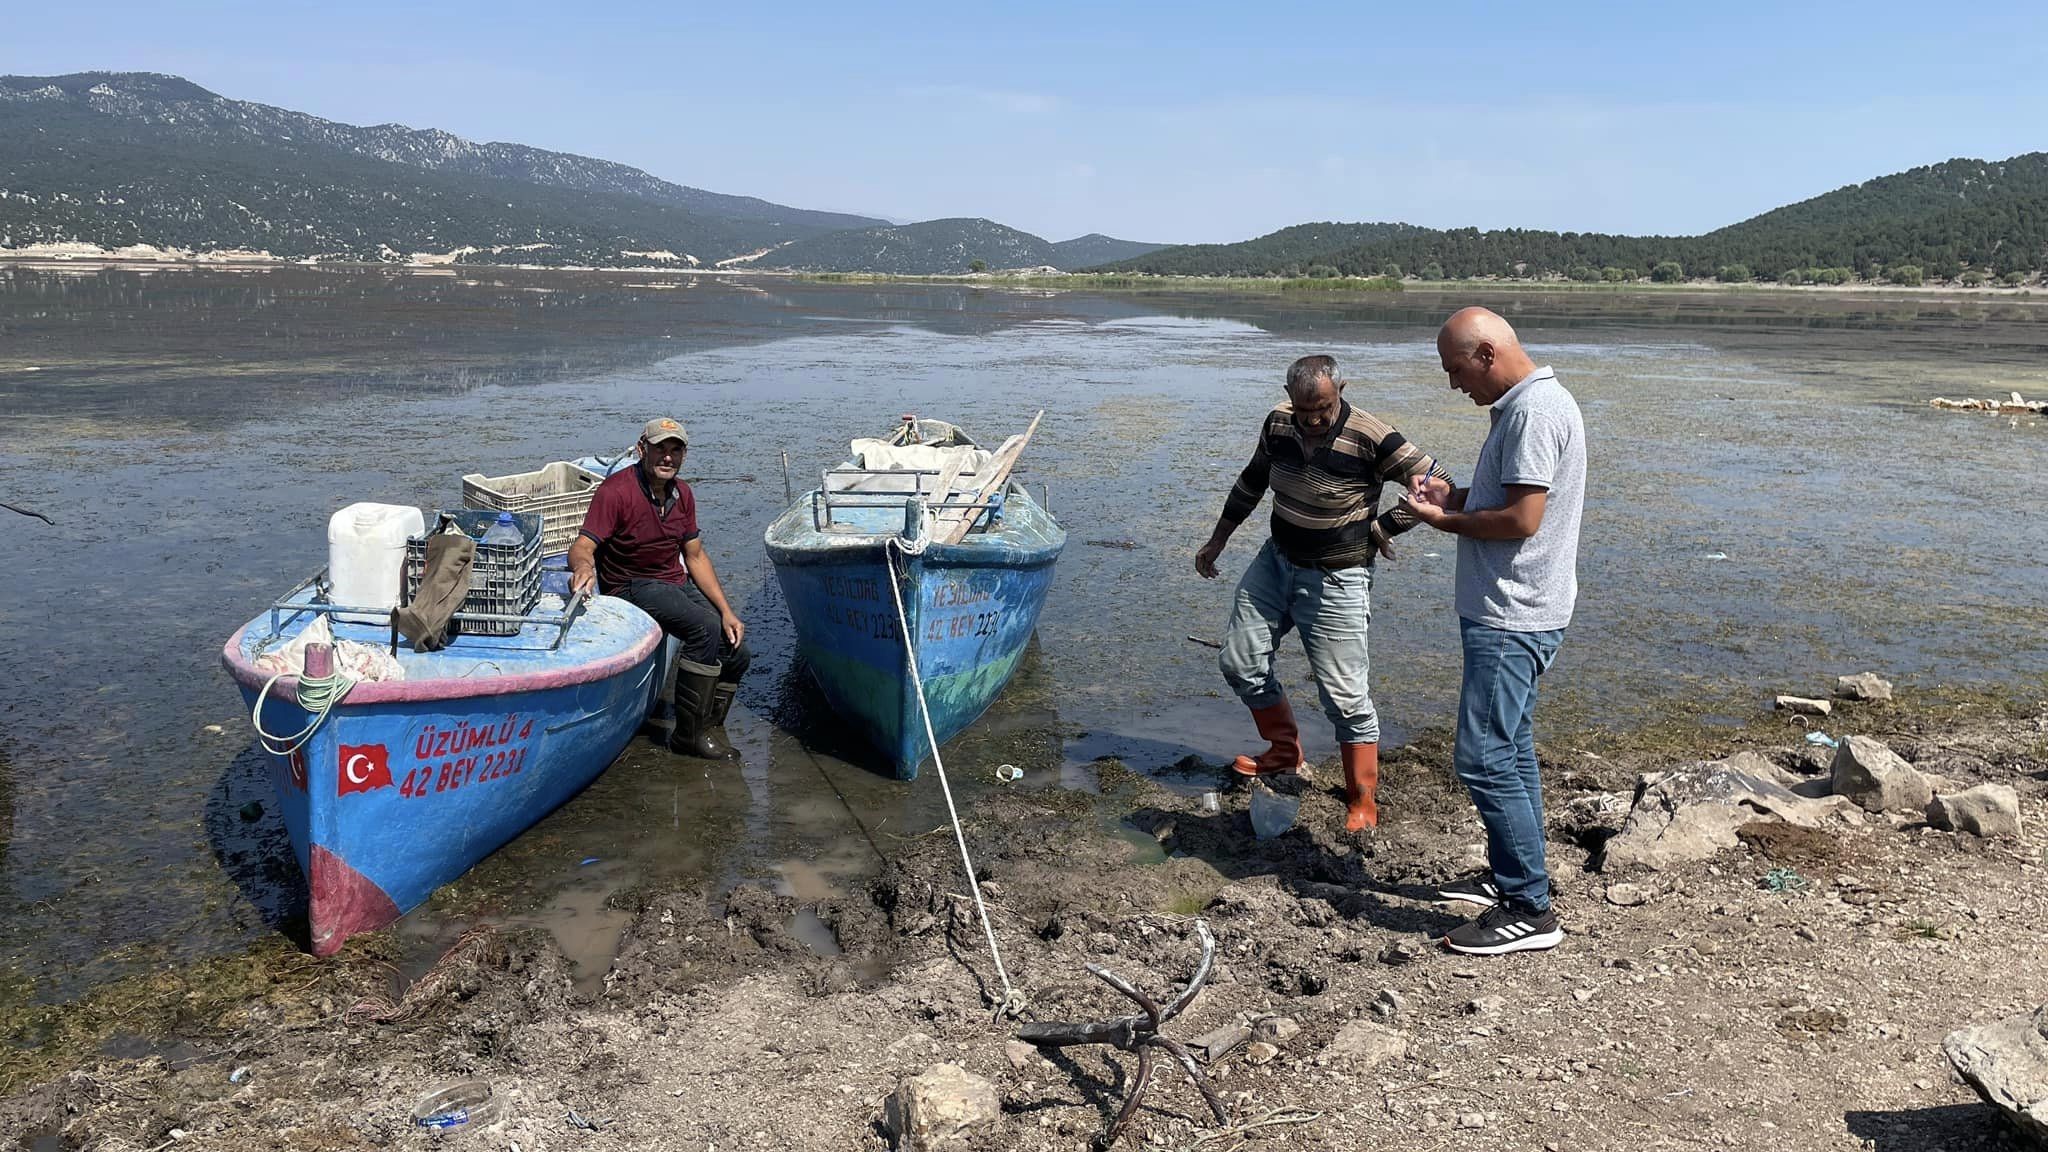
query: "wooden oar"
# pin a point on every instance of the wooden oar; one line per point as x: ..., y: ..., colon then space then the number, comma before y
x: 945, y: 520
x: 1005, y: 460
x: 948, y: 476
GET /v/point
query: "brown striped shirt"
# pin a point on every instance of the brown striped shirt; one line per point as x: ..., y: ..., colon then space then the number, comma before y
x: 1326, y: 505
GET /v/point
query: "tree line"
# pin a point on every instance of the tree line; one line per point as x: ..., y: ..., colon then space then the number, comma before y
x: 1965, y: 221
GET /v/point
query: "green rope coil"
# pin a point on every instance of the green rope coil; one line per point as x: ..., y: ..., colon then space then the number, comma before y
x: 317, y: 695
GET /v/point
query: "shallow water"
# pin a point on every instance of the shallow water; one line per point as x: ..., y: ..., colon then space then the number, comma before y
x: 1770, y: 501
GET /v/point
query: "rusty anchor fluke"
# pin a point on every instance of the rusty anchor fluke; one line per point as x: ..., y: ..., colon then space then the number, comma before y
x: 1137, y: 1034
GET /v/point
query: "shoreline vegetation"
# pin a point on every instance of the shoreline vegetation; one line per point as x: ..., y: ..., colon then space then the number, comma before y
x: 1048, y: 280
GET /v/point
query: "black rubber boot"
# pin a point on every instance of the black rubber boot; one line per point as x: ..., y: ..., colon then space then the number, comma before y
x: 696, y: 733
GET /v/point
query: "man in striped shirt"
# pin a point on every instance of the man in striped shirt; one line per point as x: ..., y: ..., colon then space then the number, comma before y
x: 1325, y: 462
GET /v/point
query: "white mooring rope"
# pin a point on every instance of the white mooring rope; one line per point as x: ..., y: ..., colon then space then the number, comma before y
x: 1013, y: 1000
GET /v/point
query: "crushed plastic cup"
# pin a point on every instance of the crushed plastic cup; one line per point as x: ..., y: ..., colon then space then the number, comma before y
x: 1820, y: 739
x: 1008, y: 772
x: 1211, y: 802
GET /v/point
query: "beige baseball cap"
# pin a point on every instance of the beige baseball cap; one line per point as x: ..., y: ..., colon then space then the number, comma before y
x: 662, y: 428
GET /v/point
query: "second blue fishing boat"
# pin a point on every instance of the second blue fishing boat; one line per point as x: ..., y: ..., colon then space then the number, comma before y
x: 926, y: 528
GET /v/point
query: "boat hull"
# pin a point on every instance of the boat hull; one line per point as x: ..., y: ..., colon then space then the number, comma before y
x: 971, y: 609
x: 406, y: 786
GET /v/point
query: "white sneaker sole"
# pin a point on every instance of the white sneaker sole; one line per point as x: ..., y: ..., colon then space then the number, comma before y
x: 1467, y: 898
x: 1541, y: 941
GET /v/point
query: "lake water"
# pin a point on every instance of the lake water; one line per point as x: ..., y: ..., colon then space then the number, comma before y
x: 1770, y: 502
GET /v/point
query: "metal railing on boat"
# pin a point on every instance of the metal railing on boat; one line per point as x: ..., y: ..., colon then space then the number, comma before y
x: 824, y: 500
x: 285, y: 610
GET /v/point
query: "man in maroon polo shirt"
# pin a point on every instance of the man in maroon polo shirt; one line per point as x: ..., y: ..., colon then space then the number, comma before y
x: 639, y: 543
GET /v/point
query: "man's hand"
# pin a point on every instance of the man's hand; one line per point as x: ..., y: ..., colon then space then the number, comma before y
x: 1205, y: 558
x: 584, y: 583
x: 1426, y: 489
x: 1384, y: 544
x: 1430, y: 513
x: 735, y: 628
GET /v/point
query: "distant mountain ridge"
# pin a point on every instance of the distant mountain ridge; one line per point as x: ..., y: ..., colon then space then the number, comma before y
x: 128, y: 158
x: 1954, y: 219
x: 944, y: 247
x: 1095, y: 248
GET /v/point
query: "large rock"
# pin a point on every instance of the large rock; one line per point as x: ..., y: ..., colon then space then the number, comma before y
x: 1764, y: 768
x: 1863, y: 686
x: 1367, y: 1044
x: 938, y: 1107
x: 1988, y: 810
x: 1692, y: 814
x: 2007, y: 1063
x: 1877, y: 779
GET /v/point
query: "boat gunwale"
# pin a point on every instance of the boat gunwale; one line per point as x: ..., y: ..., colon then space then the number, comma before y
x: 996, y: 549
x: 286, y: 688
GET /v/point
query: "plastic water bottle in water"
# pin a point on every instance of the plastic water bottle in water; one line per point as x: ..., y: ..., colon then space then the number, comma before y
x: 505, y: 532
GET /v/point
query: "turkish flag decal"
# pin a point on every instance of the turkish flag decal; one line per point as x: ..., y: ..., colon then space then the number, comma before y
x: 364, y: 768
x: 296, y: 762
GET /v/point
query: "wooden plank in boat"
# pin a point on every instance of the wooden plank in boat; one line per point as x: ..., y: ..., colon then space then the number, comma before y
x: 955, y: 522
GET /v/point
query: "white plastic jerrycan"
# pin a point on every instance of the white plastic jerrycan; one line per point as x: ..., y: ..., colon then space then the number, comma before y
x: 366, y: 556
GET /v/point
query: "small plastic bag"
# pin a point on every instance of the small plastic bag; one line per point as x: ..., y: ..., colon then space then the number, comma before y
x: 1272, y: 813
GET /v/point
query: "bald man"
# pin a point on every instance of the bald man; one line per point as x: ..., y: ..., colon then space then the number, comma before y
x: 1518, y: 543
x: 1325, y: 461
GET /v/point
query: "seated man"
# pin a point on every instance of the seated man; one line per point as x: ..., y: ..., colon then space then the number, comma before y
x: 639, y: 543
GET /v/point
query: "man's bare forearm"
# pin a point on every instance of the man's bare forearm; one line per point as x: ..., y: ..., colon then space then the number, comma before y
x: 699, y: 567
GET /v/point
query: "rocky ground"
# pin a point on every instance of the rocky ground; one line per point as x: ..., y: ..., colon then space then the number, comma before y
x: 1790, y: 992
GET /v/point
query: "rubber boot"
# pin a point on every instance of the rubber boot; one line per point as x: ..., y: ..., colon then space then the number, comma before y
x: 721, y: 703
x: 1361, y: 786
x: 695, y: 735
x: 1276, y: 724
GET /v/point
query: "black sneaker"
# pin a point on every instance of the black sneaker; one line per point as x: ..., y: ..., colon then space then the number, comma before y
x: 1477, y: 888
x: 1504, y: 929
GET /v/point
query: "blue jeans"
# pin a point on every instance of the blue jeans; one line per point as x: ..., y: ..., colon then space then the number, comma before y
x: 1496, y: 753
x: 1333, y: 610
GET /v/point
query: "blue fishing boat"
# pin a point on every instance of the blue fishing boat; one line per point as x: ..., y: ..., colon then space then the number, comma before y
x: 405, y: 783
x: 926, y: 529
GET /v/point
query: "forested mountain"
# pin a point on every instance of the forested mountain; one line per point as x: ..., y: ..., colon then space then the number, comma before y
x: 1961, y: 218
x: 1095, y: 248
x: 135, y: 158
x: 934, y: 247
x: 945, y: 248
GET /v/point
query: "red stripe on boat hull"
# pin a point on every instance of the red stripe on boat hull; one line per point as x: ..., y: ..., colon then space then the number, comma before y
x: 344, y: 902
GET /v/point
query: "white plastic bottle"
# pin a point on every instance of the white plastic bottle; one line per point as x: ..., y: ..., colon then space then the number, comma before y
x: 366, y: 557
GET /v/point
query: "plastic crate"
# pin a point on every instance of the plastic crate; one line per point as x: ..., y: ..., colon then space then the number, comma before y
x: 559, y: 494
x: 505, y: 580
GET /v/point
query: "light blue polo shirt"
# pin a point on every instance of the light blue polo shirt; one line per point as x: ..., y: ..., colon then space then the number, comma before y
x: 1537, y: 439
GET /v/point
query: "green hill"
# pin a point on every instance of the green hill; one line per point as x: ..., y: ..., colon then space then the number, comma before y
x: 1095, y: 248
x: 1944, y: 221
x: 134, y: 158
x: 933, y: 247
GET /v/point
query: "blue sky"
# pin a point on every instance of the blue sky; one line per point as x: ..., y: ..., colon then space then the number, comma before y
x: 1181, y: 122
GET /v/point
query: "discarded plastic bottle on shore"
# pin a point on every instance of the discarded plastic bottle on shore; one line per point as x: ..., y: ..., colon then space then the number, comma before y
x: 505, y: 532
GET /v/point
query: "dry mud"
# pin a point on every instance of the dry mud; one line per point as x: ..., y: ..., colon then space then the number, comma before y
x: 1791, y: 994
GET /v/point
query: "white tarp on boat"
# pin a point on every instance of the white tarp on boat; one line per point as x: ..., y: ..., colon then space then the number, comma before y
x: 882, y: 458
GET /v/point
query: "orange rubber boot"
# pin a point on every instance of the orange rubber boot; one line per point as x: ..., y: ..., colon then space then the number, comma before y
x: 1277, y: 725
x: 1361, y: 784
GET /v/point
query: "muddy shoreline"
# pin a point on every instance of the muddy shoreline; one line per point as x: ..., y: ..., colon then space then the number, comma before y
x: 1791, y: 994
